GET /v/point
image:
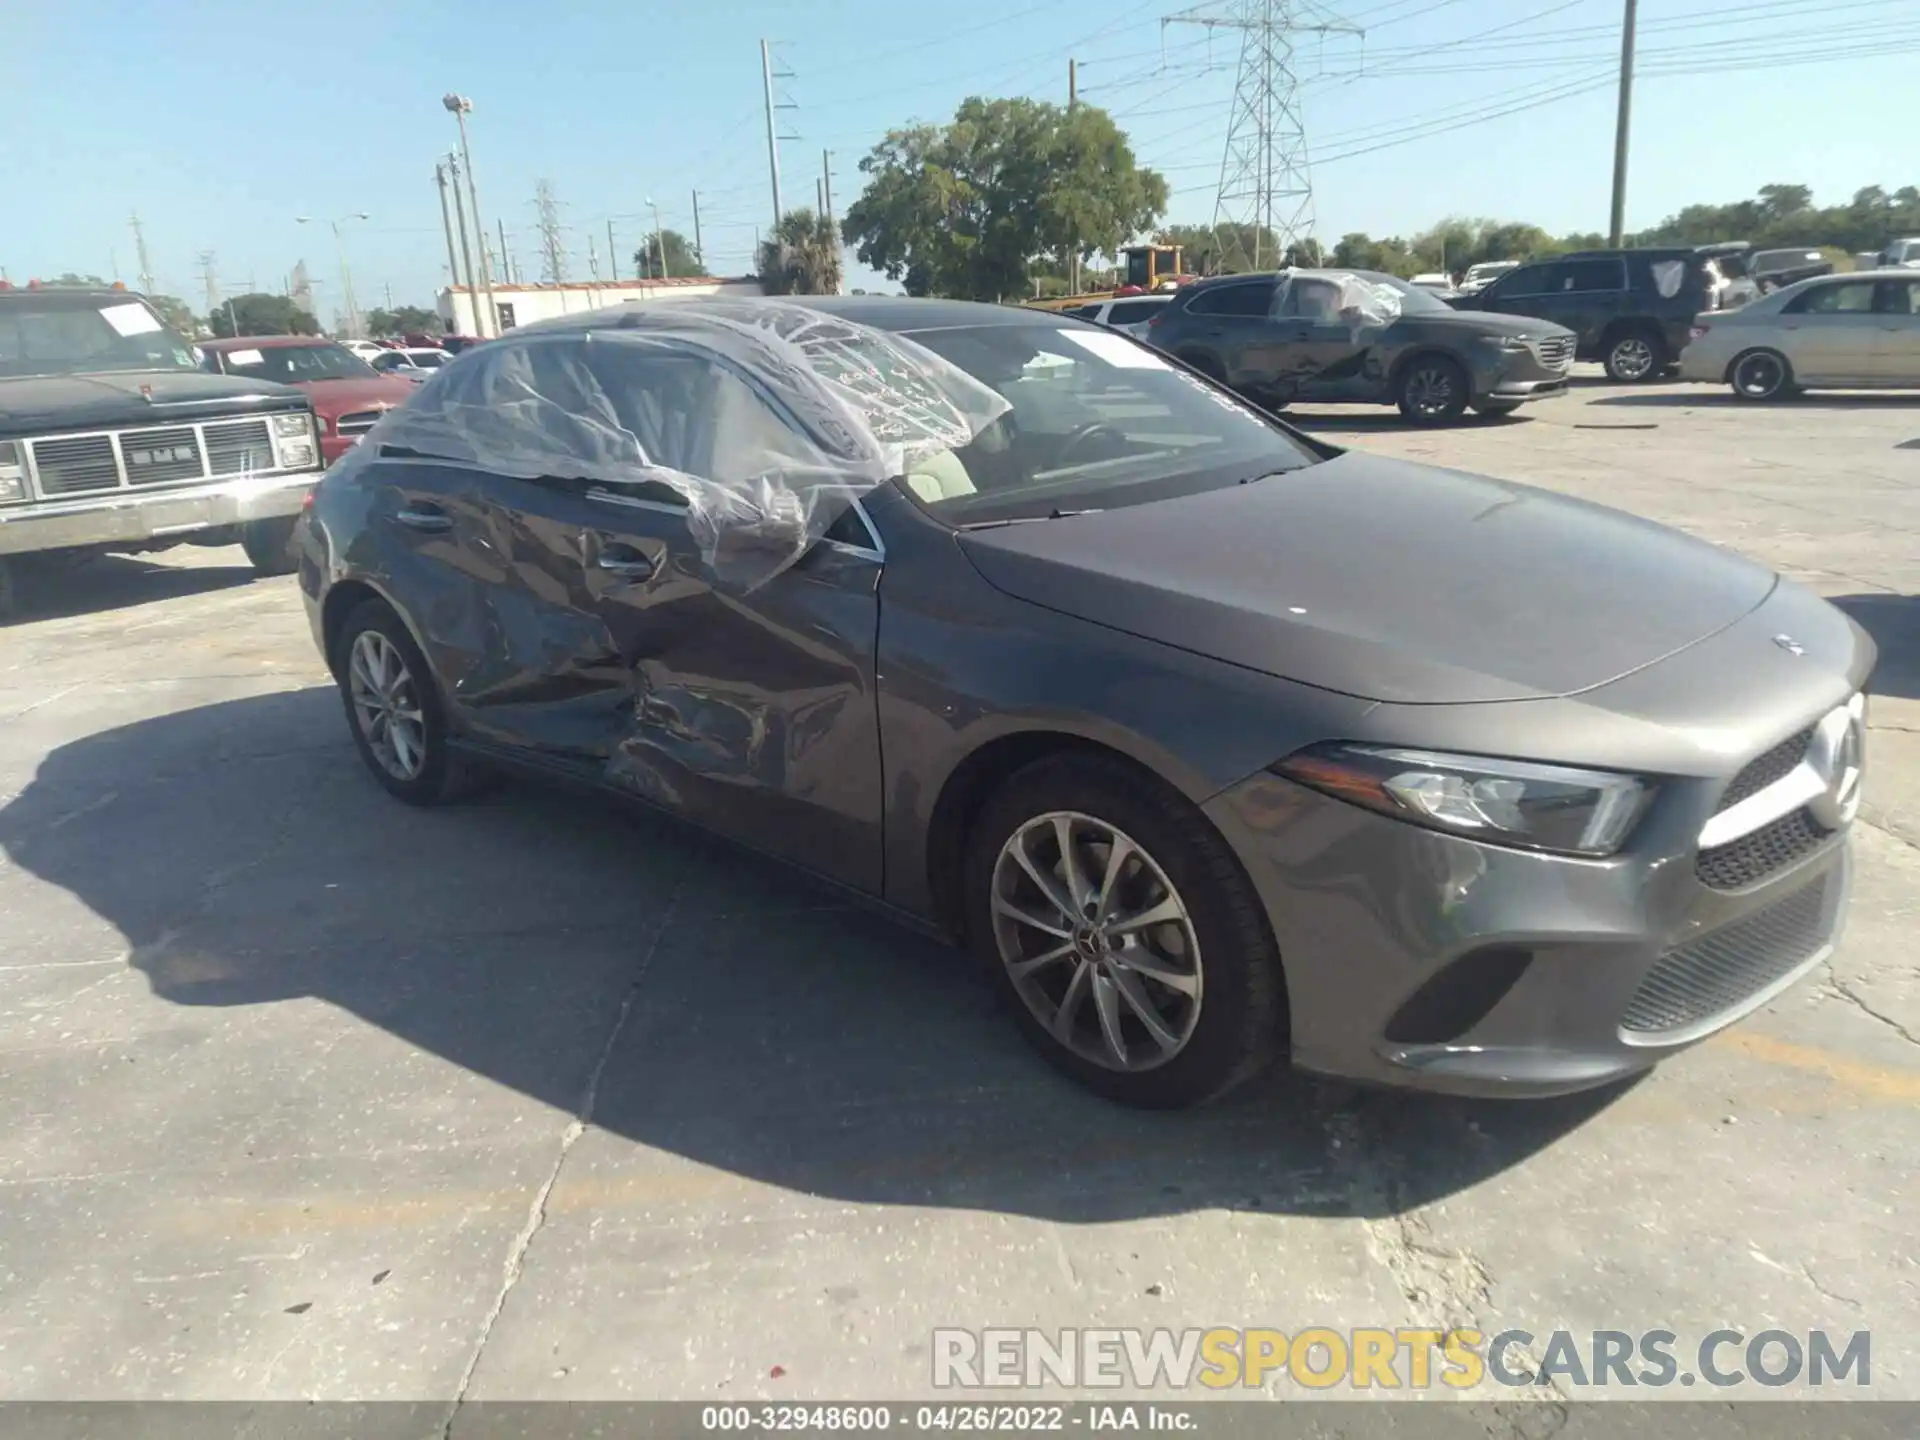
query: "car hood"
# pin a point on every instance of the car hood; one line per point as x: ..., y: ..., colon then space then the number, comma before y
x: 151, y: 397
x: 1485, y: 322
x: 340, y: 397
x: 1387, y: 580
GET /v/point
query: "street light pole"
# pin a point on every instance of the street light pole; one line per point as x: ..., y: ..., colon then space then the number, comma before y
x: 659, y: 238
x: 346, y: 271
x: 446, y: 221
x: 1617, y: 221
x: 461, y: 106
x: 466, y: 248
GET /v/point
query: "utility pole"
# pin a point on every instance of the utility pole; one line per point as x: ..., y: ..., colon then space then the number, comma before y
x: 446, y: 223
x: 461, y: 107
x: 1073, y: 103
x: 613, y: 255
x: 819, y: 197
x: 593, y: 260
x: 466, y: 249
x: 553, y: 247
x: 389, y: 290
x: 140, y: 254
x: 208, y: 279
x: 1265, y: 185
x: 768, y: 75
x: 1617, y: 226
x: 698, y: 254
x: 509, y: 270
x: 826, y: 185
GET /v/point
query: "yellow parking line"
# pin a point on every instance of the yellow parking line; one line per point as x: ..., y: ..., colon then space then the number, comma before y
x: 1880, y: 1081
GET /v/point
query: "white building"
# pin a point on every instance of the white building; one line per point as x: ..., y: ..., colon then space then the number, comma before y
x: 524, y: 304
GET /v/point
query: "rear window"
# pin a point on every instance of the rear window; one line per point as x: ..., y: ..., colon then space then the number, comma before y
x: 1132, y: 312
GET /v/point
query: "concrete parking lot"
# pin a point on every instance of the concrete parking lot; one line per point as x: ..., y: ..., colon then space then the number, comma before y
x: 307, y: 1094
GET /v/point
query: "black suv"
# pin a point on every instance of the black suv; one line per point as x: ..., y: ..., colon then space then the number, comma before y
x: 1359, y: 338
x: 1632, y: 309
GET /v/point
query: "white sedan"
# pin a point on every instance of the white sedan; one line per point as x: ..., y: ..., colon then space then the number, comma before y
x: 1837, y: 332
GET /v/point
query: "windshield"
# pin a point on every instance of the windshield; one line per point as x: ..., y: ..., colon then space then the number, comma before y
x: 54, y: 334
x: 291, y: 364
x: 1097, y: 420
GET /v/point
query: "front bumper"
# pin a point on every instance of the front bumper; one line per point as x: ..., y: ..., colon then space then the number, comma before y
x: 1422, y: 959
x: 1508, y: 376
x: 127, y: 517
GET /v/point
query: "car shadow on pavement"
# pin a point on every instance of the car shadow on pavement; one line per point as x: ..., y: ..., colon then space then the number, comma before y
x: 1894, y: 623
x: 111, y: 582
x: 1719, y: 396
x: 713, y: 1005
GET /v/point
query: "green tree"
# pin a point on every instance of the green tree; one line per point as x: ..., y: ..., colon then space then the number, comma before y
x: 403, y: 320
x: 259, y: 314
x: 1223, y: 249
x: 682, y: 258
x: 966, y: 209
x: 802, y: 257
x: 175, y: 312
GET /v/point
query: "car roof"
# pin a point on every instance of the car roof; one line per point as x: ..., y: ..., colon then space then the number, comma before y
x: 262, y: 342
x: 898, y: 314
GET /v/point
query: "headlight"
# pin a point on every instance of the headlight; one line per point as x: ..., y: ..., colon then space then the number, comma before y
x: 295, y: 454
x: 13, y: 473
x: 291, y: 427
x: 1512, y: 344
x: 1506, y: 802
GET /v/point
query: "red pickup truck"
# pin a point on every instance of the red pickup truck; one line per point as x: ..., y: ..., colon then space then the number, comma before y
x: 349, y: 396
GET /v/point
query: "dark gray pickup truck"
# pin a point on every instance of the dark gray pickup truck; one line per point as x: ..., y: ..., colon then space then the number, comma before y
x: 111, y: 439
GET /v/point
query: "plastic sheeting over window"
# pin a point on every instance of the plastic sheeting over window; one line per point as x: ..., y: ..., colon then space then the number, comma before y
x: 1668, y: 276
x: 764, y: 416
x: 1337, y: 298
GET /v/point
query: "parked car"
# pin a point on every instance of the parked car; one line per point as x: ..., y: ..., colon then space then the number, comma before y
x: 1901, y: 254
x: 1478, y: 277
x: 414, y: 363
x: 1631, y: 309
x: 1126, y: 314
x: 1359, y: 337
x: 1213, y: 741
x: 1776, y: 269
x: 365, y: 349
x: 1437, y: 282
x: 1857, y: 331
x: 349, y: 396
x: 111, y: 439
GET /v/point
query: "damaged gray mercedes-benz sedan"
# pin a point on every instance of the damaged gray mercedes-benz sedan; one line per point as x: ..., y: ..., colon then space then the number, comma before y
x: 1216, y: 743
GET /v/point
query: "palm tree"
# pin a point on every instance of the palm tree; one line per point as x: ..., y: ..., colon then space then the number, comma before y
x: 802, y: 257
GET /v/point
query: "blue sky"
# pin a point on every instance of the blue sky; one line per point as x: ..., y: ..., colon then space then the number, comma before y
x: 220, y: 121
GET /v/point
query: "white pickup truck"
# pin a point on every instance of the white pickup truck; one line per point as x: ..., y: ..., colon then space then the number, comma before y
x: 113, y: 439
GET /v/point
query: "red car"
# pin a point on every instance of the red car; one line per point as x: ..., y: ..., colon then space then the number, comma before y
x: 349, y: 395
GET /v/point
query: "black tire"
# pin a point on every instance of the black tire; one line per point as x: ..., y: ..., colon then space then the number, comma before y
x: 442, y: 775
x: 269, y: 545
x: 1432, y: 390
x: 1634, y: 356
x: 1761, y: 375
x: 1240, y: 1025
x: 1496, y: 409
x: 10, y: 600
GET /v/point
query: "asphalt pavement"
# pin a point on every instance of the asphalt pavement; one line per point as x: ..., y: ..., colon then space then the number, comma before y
x: 309, y: 1095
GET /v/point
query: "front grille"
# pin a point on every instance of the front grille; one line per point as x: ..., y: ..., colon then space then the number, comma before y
x: 1755, y: 856
x: 1718, y: 973
x: 66, y: 467
x: 358, y: 422
x: 1773, y: 766
x: 1555, y: 353
x: 240, y: 448
x: 154, y: 457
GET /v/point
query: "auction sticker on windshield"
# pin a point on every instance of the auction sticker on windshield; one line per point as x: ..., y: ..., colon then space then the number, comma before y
x: 245, y: 357
x: 1116, y: 350
x: 131, y: 319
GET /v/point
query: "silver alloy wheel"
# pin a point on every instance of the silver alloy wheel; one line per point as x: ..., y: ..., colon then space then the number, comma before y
x: 1430, y: 390
x: 1632, y: 358
x: 1097, y: 941
x: 1759, y: 376
x: 386, y: 706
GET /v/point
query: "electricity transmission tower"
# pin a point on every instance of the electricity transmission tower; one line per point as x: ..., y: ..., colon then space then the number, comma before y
x: 1266, y: 189
x: 553, y: 245
x: 211, y: 280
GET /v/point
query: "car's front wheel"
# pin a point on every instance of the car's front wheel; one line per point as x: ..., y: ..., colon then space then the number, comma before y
x: 1433, y: 389
x: 394, y: 710
x: 1123, y: 934
x: 269, y: 545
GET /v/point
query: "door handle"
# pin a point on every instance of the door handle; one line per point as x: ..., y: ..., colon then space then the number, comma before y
x: 430, y: 518
x: 625, y: 562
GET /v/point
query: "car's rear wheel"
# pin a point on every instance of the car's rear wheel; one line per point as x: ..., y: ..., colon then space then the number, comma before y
x: 1124, y: 937
x: 1433, y: 389
x: 1634, y: 356
x: 269, y: 545
x: 394, y: 710
x: 1761, y: 375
